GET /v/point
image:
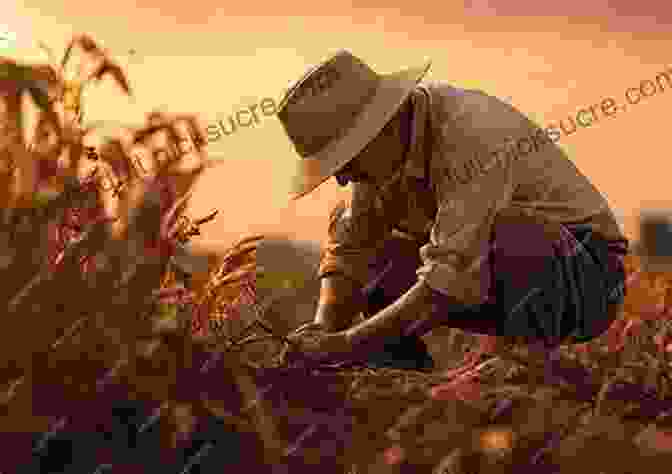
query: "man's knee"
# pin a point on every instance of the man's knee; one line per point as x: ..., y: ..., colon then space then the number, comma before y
x: 523, y: 252
x: 393, y: 272
x: 402, y: 247
x: 517, y: 233
x: 399, y: 252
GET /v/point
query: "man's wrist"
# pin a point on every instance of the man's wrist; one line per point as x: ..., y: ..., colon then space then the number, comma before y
x: 334, y: 317
x: 403, y: 317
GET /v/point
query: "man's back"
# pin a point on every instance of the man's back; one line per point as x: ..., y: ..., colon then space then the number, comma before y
x: 543, y: 179
x: 461, y: 174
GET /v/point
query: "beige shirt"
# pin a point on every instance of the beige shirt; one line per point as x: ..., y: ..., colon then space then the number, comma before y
x: 471, y: 157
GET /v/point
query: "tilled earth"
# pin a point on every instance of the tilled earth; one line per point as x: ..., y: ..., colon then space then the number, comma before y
x: 599, y: 413
x: 598, y: 410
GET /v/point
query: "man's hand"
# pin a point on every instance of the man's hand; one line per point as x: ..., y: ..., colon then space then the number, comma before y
x: 312, y: 342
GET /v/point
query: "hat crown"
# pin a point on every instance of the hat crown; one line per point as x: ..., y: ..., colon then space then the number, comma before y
x: 324, y: 104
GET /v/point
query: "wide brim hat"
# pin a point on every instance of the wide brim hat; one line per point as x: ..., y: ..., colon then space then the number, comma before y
x: 335, y: 110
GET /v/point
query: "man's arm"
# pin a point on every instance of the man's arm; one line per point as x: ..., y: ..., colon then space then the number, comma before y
x: 355, y: 231
x: 398, y: 319
x: 340, y: 302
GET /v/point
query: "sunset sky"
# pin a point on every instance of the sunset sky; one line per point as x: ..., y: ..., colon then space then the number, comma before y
x: 549, y: 59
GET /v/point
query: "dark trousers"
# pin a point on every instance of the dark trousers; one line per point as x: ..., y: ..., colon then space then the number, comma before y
x: 548, y: 282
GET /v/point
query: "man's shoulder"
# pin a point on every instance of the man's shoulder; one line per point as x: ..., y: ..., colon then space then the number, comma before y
x: 476, y: 108
x: 448, y: 102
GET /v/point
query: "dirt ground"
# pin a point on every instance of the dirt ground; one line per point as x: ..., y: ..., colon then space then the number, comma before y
x: 587, y: 419
x: 599, y: 411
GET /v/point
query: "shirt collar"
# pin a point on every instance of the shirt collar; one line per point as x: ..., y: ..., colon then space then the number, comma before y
x: 416, y: 161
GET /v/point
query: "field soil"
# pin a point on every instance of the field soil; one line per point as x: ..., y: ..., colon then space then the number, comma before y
x: 598, y: 410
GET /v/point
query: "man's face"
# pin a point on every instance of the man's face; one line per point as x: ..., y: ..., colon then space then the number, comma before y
x: 381, y: 158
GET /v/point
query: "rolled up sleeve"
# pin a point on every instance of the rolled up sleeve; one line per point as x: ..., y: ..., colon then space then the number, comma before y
x: 357, y: 229
x: 474, y: 183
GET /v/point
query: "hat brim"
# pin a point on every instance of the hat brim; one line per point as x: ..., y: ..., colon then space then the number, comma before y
x: 391, y: 93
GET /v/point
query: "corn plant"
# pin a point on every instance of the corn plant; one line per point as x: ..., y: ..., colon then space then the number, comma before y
x: 90, y: 266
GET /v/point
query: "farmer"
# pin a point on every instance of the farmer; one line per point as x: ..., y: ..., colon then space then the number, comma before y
x: 463, y: 213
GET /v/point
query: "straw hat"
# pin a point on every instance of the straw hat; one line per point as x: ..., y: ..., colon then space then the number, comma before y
x: 335, y: 110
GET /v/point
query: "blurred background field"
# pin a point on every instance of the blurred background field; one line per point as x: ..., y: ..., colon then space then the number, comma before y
x: 100, y: 308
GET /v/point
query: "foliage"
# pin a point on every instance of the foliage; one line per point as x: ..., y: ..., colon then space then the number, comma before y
x: 87, y: 270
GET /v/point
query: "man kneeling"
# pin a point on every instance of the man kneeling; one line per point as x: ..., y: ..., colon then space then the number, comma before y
x: 446, y: 225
